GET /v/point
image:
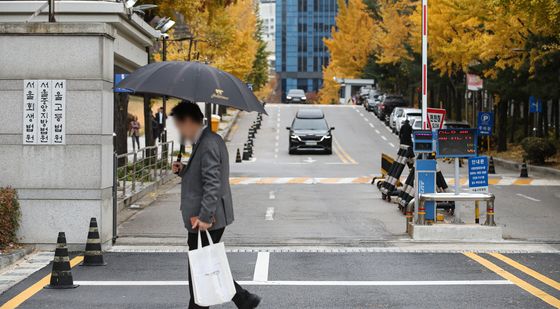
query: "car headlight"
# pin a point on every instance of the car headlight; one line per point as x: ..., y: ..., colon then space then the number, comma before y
x: 303, y: 98
x: 289, y: 98
x: 293, y: 136
x: 325, y: 137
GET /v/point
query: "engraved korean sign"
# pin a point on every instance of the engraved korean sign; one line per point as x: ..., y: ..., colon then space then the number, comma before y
x: 30, y: 111
x: 44, y: 112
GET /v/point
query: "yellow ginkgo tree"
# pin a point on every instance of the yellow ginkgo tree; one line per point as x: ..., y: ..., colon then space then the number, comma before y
x: 351, y: 43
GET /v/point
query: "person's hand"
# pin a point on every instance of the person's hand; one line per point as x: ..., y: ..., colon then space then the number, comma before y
x: 203, y: 226
x: 177, y: 167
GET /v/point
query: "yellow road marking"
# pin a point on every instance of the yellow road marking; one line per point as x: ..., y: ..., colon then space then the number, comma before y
x: 344, y: 153
x: 338, y: 153
x: 493, y: 181
x: 236, y: 180
x: 266, y: 180
x: 35, y: 288
x: 521, y: 181
x: 549, y: 299
x: 527, y: 270
x: 298, y: 180
x: 362, y: 180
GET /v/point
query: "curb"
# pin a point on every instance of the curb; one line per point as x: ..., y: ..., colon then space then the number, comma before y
x: 131, y: 199
x: 12, y: 257
x: 532, y: 168
x: 225, y: 132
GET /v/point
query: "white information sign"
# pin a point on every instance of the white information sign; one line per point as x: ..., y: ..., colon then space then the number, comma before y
x: 58, y: 111
x: 44, y: 112
x: 30, y: 111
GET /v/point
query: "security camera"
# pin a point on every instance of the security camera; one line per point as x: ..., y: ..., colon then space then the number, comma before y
x: 165, y: 36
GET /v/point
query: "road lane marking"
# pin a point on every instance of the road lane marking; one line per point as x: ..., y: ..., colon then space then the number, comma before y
x: 341, y: 180
x: 525, y: 196
x: 339, y: 155
x: 392, y: 145
x: 344, y: 153
x: 371, y: 125
x: 527, y: 270
x: 549, y: 299
x: 307, y: 283
x: 271, y: 195
x: 388, y: 129
x: 377, y: 131
x: 261, y: 267
x: 366, y: 119
x: 38, y: 286
x: 383, y: 137
x: 269, y: 215
x: 523, y: 181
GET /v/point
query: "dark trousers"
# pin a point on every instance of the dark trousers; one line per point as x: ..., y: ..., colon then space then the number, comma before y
x: 135, y: 141
x: 193, y: 244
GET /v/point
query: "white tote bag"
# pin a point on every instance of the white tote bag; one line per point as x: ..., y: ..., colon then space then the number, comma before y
x: 210, y: 274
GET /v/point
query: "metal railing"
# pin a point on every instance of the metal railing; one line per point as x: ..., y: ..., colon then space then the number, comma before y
x: 444, y: 197
x: 145, y: 165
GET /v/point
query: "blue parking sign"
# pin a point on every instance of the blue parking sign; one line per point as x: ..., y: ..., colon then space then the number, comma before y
x: 485, y: 123
x: 478, y: 173
x: 535, y: 105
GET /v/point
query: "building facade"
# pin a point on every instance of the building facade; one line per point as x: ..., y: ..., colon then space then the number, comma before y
x: 267, y: 14
x: 56, y: 137
x: 301, y: 26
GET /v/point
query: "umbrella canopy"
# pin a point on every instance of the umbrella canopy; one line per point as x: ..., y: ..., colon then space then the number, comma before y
x: 192, y: 81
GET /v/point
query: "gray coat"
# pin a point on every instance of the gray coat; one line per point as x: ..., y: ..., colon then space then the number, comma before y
x: 205, y: 190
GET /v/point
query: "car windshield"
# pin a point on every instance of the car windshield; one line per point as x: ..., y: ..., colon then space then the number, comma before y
x: 297, y: 92
x: 310, y: 124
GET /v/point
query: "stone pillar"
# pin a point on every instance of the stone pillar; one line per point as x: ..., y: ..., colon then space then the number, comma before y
x: 60, y: 187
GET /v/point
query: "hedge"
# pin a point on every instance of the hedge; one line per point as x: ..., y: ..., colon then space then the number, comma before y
x: 9, y: 216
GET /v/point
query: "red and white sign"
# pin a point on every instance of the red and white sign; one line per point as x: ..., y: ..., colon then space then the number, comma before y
x: 474, y: 82
x: 435, y: 116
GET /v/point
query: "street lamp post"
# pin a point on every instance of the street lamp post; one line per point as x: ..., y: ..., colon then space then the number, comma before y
x: 163, y: 26
x: 164, y: 98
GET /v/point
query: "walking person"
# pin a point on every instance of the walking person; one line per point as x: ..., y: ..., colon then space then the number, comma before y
x: 160, y: 119
x: 135, y: 133
x: 405, y: 134
x: 155, y: 127
x: 206, y: 201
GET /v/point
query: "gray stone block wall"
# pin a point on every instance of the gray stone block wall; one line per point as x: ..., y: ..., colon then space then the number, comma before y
x: 60, y: 187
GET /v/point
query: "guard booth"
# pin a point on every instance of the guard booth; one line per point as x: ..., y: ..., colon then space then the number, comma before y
x: 349, y: 86
x: 56, y: 85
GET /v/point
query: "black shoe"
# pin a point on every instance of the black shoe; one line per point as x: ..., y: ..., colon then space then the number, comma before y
x: 247, y: 301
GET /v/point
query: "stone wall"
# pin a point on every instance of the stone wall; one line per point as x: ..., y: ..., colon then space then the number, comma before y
x: 61, y: 186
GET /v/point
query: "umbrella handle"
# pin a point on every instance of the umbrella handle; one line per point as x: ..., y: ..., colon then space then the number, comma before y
x: 180, y: 155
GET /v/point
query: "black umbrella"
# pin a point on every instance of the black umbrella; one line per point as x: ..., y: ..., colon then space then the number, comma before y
x: 192, y: 81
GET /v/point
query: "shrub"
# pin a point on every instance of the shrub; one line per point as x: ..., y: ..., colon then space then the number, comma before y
x: 9, y: 216
x: 538, y: 149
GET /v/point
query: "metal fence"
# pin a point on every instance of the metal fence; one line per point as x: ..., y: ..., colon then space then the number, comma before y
x: 146, y: 165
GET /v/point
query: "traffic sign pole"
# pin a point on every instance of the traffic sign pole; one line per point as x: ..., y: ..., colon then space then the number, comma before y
x: 424, y: 64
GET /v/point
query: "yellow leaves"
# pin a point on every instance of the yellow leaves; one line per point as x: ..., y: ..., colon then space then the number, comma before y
x: 395, y: 33
x: 238, y: 55
x: 351, y: 43
x: 224, y: 31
